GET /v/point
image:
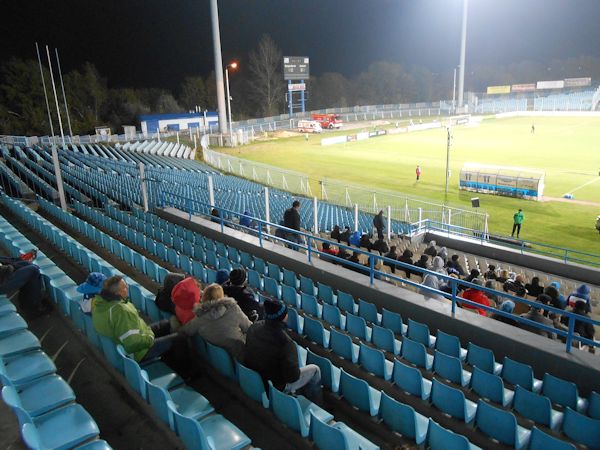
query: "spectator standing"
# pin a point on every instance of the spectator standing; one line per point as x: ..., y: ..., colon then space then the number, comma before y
x: 115, y: 317
x: 90, y: 288
x: 272, y: 353
x: 219, y: 320
x: 379, y: 224
x: 291, y: 219
x: 518, y: 219
x: 237, y: 289
x: 418, y: 172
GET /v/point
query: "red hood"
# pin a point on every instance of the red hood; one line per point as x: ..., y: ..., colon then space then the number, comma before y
x: 186, y: 294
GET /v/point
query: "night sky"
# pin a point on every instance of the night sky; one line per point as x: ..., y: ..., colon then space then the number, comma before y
x: 156, y: 43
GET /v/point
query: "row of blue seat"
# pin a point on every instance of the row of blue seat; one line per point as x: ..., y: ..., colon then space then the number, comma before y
x: 42, y: 401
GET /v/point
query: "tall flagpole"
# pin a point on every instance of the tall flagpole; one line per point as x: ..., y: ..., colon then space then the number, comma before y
x: 63, y: 93
x: 37, y: 49
x: 62, y: 133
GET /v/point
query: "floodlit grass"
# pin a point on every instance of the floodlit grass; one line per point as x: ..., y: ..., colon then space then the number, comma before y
x: 566, y: 148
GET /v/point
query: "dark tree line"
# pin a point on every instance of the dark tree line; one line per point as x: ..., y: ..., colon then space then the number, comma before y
x: 257, y: 90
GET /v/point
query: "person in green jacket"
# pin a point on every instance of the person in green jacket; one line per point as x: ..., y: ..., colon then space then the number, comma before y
x: 115, y: 317
x: 518, y: 219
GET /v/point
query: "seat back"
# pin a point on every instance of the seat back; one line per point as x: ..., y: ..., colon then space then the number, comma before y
x: 582, y: 429
x: 594, y: 405
x: 447, y: 399
x: 306, y: 285
x: 392, y: 321
x: 398, y: 416
x: 541, y: 440
x: 345, y: 302
x: 447, y: 344
x: 272, y: 287
x: 439, y: 438
x: 480, y: 357
x: 496, y: 423
x: 188, y: 430
x: 254, y: 279
x: 110, y: 351
x: 309, y: 304
x: 260, y: 266
x: 158, y: 397
x: 414, y: 352
x: 419, y: 332
x: 356, y: 326
x: 341, y: 344
x: 274, y: 271
x: 12, y: 399
x: 560, y: 391
x: 293, y: 321
x: 133, y: 373
x: 517, y: 373
x: 383, y: 338
x: 332, y: 315
x: 487, y: 385
x: 220, y: 360
x: 252, y: 384
x: 289, y: 295
x: 327, y: 370
x: 287, y: 409
x: 289, y: 278
x: 355, y: 391
x: 367, y: 311
x: 448, y: 367
x: 325, y: 293
x: 326, y: 437
x: 372, y: 360
x: 408, y: 378
x: 532, y: 406
x: 314, y: 331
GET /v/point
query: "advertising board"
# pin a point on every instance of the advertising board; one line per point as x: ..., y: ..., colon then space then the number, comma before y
x: 498, y: 89
x: 551, y: 84
x: 578, y: 82
x: 527, y: 87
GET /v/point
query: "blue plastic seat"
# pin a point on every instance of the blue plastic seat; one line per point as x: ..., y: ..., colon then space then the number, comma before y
x: 290, y: 296
x: 373, y: 361
x: 185, y: 264
x: 338, y: 436
x: 221, y: 360
x: 581, y: 429
x: 537, y: 408
x: 274, y: 271
x: 224, y: 263
x: 314, y: 331
x: 260, y: 266
x: 98, y: 444
x: 211, y: 259
x: 294, y: 321
x: 109, y: 348
x: 415, y: 353
x: 211, y: 275
x: 403, y: 419
x: 24, y: 368
x: 38, y: 397
x: 594, y: 405
x: 139, y: 262
x: 482, y: 358
x: 450, y: 345
x: 6, y: 307
x: 254, y: 280
x: 20, y: 342
x: 136, y: 297
x: 246, y: 260
x: 330, y: 374
x: 74, y: 422
x: 450, y: 368
x: 252, y: 384
x: 419, y: 332
x: 307, y: 286
x: 272, y: 287
x: 562, y: 392
x: 11, y: 323
x: 439, y: 438
x: 410, y: 380
x: 393, y: 321
x: 295, y: 412
x: 198, y: 271
x: 187, y: 401
x: 517, y: 373
x: 310, y: 305
x: 368, y: 311
x: 542, y: 441
x: 346, y: 302
x: 490, y: 386
x: 333, y: 316
x: 325, y: 293
x: 342, y: 345
x: 289, y: 279
x: 452, y: 401
x: 384, y: 339
x: 359, y: 394
x: 500, y: 425
x: 357, y: 326
x: 212, y: 432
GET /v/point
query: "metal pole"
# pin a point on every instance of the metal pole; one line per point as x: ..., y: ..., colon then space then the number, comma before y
x: 143, y: 185
x: 356, y: 217
x: 62, y: 134
x: 448, y: 144
x: 267, y: 210
x: 316, y: 215
x: 454, y: 93
x: 389, y: 222
x: 463, y: 49
x: 216, y: 34
x: 37, y: 49
x: 229, y: 106
x: 211, y: 192
x: 63, y: 92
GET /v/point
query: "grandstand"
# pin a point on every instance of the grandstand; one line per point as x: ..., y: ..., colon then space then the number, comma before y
x: 399, y: 369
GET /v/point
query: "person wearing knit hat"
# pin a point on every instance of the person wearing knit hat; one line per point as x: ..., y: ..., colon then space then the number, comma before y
x: 272, y: 353
x: 536, y: 314
x: 581, y: 294
x: 222, y: 276
x: 237, y: 289
x: 508, y: 307
x: 185, y: 295
x: 90, y: 288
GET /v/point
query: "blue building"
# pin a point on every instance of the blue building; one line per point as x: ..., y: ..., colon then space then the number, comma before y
x: 175, y: 122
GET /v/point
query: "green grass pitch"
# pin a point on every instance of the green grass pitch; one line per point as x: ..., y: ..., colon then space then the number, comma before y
x: 566, y: 148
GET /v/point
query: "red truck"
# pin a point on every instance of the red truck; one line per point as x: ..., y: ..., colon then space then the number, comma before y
x: 330, y: 121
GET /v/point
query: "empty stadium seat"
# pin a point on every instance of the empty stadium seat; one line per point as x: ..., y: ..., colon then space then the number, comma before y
x: 403, y: 419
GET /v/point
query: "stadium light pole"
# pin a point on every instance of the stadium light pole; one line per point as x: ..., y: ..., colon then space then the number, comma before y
x: 216, y: 34
x: 448, y: 145
x: 233, y: 65
x: 463, y: 49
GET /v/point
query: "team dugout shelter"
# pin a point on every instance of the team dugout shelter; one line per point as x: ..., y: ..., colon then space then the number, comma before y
x: 502, y: 180
x: 178, y: 122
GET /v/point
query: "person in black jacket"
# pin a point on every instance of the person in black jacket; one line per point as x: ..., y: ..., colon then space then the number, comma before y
x: 454, y: 266
x: 163, y: 296
x: 237, y: 289
x: 335, y: 233
x: 272, y: 353
x: 406, y: 258
x: 291, y: 219
x: 392, y: 254
x: 365, y: 242
x: 381, y: 246
x: 345, y: 236
x: 379, y: 224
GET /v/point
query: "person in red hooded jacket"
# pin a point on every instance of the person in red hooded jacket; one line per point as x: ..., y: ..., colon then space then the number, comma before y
x: 185, y: 295
x: 476, y: 296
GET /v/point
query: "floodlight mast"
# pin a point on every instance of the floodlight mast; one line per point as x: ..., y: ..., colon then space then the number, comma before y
x: 216, y: 34
x: 463, y: 49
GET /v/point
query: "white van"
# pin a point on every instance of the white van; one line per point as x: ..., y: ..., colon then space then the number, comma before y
x: 309, y: 126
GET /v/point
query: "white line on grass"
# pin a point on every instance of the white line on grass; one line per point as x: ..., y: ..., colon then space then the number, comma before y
x: 583, y: 185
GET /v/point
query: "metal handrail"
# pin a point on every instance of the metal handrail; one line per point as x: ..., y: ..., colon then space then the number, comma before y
x: 263, y: 233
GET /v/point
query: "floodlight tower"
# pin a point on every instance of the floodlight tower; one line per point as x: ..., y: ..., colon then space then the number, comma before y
x: 214, y: 14
x: 463, y: 49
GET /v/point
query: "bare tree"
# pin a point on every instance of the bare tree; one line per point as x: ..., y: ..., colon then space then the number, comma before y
x: 266, y: 82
